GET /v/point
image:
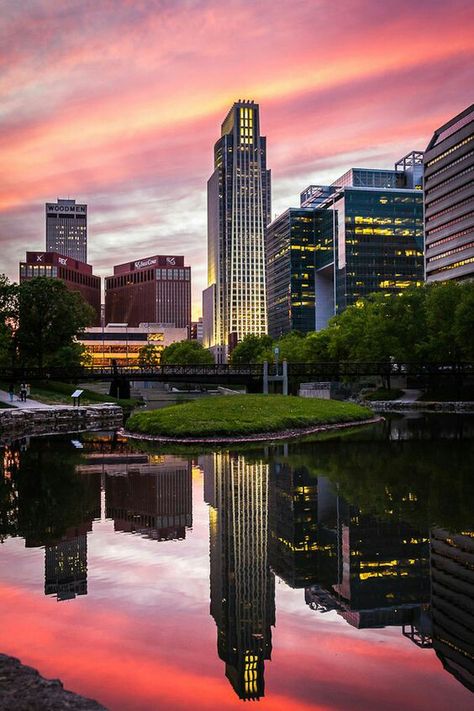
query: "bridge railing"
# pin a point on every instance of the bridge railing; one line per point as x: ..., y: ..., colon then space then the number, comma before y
x: 308, y: 371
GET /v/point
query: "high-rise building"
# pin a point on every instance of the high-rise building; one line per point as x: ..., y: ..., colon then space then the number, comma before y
x: 152, y: 290
x: 449, y: 200
x: 65, y: 572
x: 239, y: 194
x: 370, y: 240
x: 76, y: 275
x: 66, y: 228
x: 242, y: 584
x: 291, y: 242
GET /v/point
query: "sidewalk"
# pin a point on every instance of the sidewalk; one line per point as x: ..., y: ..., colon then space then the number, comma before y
x: 28, y: 405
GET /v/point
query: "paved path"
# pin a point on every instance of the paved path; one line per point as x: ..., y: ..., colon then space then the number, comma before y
x: 409, y: 395
x: 28, y: 405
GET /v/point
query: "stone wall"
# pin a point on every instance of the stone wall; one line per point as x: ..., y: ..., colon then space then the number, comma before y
x: 418, y: 406
x: 15, y: 423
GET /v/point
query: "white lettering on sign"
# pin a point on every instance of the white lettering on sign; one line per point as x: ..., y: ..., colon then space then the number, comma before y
x: 39, y: 257
x: 171, y: 261
x: 144, y: 263
x: 62, y: 261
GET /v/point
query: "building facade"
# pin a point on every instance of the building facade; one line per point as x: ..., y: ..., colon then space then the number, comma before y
x: 66, y: 228
x: 76, y: 275
x: 122, y: 344
x: 291, y: 242
x: 449, y: 200
x: 152, y: 290
x: 239, y: 196
x: 376, y: 241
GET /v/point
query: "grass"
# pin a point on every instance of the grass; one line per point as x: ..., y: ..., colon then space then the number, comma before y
x: 54, y: 393
x: 243, y: 415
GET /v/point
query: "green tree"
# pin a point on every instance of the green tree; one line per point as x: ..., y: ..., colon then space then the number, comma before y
x: 8, y: 316
x: 50, y: 317
x: 148, y: 356
x: 251, y: 349
x: 292, y: 348
x: 464, y: 322
x: 186, y: 353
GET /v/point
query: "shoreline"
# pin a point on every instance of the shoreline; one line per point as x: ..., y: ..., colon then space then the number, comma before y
x: 257, y: 437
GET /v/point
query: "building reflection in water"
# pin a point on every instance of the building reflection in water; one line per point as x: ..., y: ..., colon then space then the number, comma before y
x: 150, y: 495
x: 452, y: 602
x: 242, y: 585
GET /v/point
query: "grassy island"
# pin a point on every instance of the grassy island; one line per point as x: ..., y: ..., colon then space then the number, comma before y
x: 242, y: 415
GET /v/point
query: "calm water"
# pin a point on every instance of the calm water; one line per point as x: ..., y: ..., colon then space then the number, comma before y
x: 333, y: 574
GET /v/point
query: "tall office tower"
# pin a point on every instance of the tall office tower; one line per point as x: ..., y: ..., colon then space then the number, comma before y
x: 376, y: 241
x: 238, y: 211
x: 452, y: 602
x: 242, y: 584
x: 151, y: 290
x: 66, y: 229
x: 449, y: 200
x: 291, y: 242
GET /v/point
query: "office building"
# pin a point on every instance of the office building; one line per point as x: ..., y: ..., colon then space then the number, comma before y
x: 242, y: 584
x: 65, y: 573
x: 76, y: 275
x: 291, y: 242
x: 449, y: 200
x: 238, y: 191
x: 370, y: 240
x: 452, y: 602
x: 122, y: 344
x: 66, y: 229
x: 151, y: 290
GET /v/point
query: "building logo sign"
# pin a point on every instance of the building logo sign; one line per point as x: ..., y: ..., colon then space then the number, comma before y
x: 39, y: 257
x: 171, y: 261
x: 142, y: 263
x: 66, y: 208
x: 62, y: 261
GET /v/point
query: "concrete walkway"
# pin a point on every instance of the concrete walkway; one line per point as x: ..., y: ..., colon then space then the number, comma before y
x: 409, y: 395
x: 28, y: 405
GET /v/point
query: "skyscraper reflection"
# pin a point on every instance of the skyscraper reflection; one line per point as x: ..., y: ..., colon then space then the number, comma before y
x: 242, y: 585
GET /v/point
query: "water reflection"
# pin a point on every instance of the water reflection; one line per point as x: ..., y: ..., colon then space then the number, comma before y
x: 242, y: 585
x: 375, y: 529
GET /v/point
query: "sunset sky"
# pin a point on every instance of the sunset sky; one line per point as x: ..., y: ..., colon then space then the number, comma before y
x: 118, y: 103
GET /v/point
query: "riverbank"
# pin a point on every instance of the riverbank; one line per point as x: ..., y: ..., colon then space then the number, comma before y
x: 459, y: 406
x: 244, y: 418
x: 17, y: 423
x: 22, y: 687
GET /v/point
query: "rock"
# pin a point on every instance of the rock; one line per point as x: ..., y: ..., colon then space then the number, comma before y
x: 22, y: 688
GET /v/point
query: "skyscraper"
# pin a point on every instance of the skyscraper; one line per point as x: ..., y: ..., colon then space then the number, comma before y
x: 449, y: 200
x: 66, y: 229
x: 239, y: 195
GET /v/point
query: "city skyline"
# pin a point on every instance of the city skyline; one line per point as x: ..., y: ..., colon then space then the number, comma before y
x: 118, y: 129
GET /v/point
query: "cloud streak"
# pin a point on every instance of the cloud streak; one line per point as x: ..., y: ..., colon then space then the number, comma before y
x: 119, y: 104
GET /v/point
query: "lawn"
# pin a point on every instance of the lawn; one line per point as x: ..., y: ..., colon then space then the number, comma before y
x: 243, y: 415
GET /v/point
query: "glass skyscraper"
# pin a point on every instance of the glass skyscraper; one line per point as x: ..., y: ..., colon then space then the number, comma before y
x: 239, y: 195
x: 365, y: 232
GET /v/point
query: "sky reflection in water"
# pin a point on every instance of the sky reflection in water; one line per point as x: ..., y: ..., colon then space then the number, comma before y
x: 328, y: 575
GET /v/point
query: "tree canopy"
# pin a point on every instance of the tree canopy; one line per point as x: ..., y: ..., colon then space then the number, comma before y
x: 39, y: 321
x: 186, y: 353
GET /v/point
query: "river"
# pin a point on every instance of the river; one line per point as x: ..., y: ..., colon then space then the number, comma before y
x: 319, y: 574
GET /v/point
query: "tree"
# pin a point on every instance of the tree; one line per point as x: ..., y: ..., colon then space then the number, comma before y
x: 148, y: 356
x: 292, y: 348
x: 186, y: 353
x: 464, y: 322
x: 49, y: 317
x: 8, y: 312
x: 251, y: 349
